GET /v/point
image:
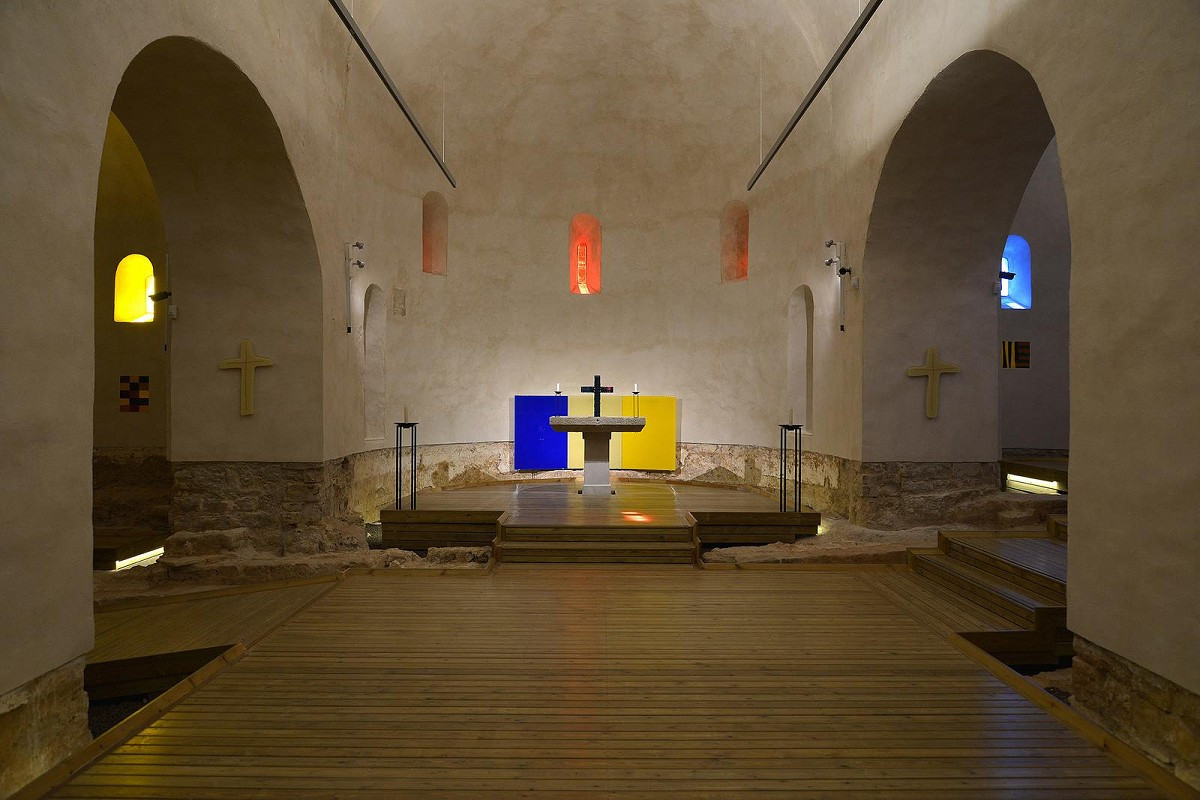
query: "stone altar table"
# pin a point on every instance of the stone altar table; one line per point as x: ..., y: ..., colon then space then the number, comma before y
x: 597, y: 432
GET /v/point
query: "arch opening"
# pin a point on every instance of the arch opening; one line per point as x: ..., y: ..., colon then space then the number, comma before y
x: 951, y: 184
x: 242, y: 258
x: 195, y: 176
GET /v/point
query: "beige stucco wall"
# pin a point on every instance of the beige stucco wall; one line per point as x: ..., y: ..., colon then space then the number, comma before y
x: 650, y: 121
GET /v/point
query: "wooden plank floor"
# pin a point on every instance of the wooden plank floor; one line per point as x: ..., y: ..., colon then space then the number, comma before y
x: 180, y: 623
x: 560, y: 505
x: 606, y: 682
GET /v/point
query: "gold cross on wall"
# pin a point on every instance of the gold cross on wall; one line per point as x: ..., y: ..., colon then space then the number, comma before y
x: 247, y: 362
x: 933, y: 370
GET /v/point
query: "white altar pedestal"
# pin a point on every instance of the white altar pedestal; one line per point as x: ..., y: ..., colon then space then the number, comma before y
x: 597, y: 433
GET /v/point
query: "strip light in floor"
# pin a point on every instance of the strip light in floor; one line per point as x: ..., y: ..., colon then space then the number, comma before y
x: 133, y: 561
x: 1051, y: 485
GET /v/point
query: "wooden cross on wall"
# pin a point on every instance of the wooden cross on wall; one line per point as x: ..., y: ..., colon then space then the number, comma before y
x: 933, y: 369
x: 247, y: 362
x: 597, y: 390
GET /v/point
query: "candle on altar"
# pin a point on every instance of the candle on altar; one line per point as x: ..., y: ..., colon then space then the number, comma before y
x: 635, y: 388
x: 558, y: 387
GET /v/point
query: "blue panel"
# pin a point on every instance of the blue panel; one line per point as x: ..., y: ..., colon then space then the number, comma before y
x: 535, y: 444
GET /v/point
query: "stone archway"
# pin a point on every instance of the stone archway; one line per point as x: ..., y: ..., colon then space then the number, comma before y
x: 243, y: 266
x: 951, y: 183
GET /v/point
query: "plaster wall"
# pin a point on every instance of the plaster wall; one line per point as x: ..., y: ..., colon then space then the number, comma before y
x: 1035, y: 404
x: 649, y: 121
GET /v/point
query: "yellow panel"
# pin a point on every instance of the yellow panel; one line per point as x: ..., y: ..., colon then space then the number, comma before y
x: 654, y: 446
x: 610, y: 406
x: 582, y: 405
x: 578, y: 405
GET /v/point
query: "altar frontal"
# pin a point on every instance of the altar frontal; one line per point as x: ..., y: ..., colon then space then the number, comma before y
x: 537, y: 446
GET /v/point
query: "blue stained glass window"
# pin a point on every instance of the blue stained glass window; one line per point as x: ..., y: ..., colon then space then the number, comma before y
x: 1016, y: 292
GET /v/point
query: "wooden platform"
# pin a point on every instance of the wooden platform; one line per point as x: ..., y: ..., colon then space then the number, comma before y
x: 630, y: 682
x: 643, y: 522
x: 1017, y: 580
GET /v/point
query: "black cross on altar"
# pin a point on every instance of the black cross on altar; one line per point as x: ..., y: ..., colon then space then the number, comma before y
x: 597, y: 390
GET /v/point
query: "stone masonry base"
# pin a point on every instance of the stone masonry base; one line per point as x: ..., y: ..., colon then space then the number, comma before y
x: 284, y: 497
x: 1155, y: 715
x: 41, y: 723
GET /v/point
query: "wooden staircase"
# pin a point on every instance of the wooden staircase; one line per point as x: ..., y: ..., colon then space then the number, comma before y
x: 1016, y: 577
x: 609, y: 544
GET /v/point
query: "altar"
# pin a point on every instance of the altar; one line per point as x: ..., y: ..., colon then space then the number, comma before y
x: 597, y: 433
x: 537, y: 446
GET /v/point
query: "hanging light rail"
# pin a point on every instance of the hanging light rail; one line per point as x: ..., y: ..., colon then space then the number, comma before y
x: 365, y: 46
x: 822, y: 79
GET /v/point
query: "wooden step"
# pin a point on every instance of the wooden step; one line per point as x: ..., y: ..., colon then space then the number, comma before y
x: 421, y: 529
x: 1026, y: 609
x: 596, y: 533
x: 598, y: 552
x: 1032, y: 563
x: 1056, y: 525
x: 110, y: 545
x: 748, y: 528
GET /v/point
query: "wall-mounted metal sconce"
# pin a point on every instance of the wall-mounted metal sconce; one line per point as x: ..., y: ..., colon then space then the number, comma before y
x: 351, y: 264
x: 838, y: 261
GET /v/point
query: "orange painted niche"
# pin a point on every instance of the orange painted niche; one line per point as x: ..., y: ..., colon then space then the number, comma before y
x: 435, y: 233
x: 584, y: 255
x: 735, y: 241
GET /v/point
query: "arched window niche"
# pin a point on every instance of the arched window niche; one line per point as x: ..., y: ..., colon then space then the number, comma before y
x: 735, y: 241
x: 1016, y: 292
x: 800, y: 358
x: 435, y: 233
x: 374, y: 351
x: 584, y: 254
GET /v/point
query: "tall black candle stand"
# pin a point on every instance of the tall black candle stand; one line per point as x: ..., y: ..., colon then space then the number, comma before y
x: 784, y: 430
x: 412, y: 464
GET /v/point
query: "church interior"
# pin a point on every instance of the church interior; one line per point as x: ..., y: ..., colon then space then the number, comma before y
x: 632, y: 398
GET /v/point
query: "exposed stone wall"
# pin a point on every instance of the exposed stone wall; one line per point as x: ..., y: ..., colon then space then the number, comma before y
x: 372, y: 482
x: 41, y: 723
x: 448, y: 466
x: 131, y: 487
x: 1158, y: 716
x: 219, y: 496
